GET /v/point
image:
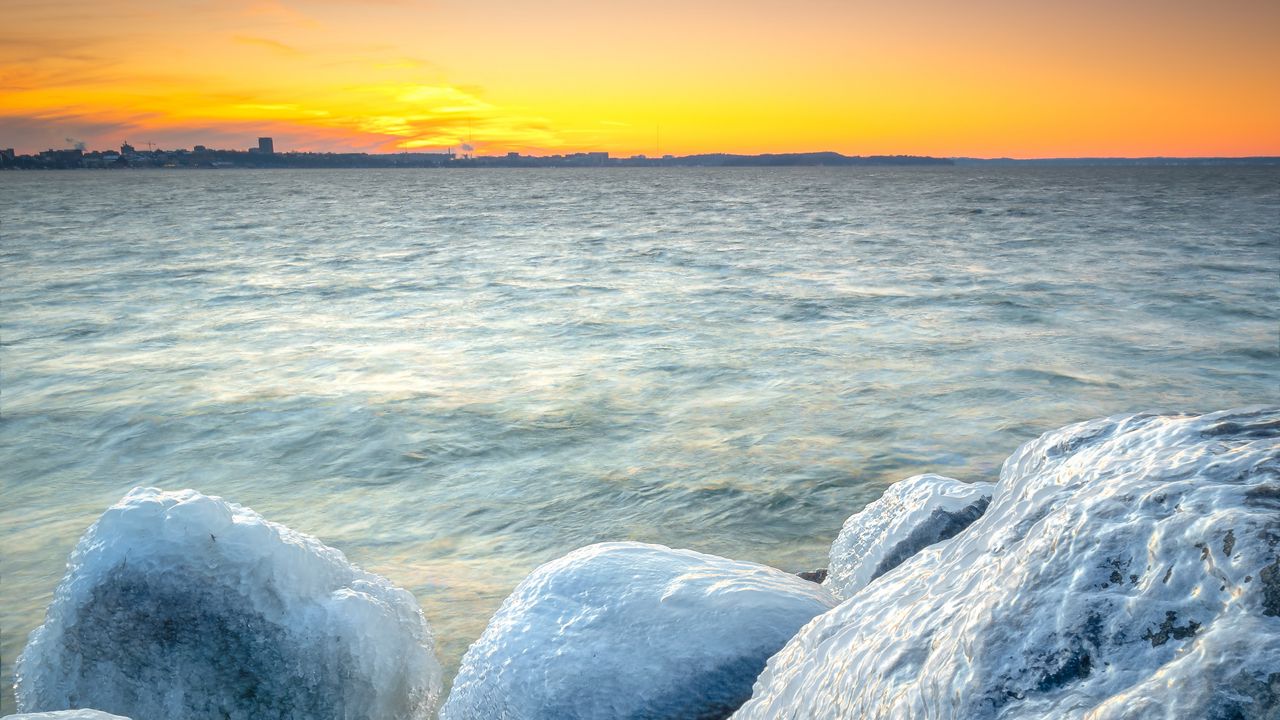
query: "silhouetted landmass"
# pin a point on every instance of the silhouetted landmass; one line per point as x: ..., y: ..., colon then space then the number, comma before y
x: 204, y: 158
x: 265, y: 157
x: 208, y: 158
x: 1121, y: 162
x: 810, y: 159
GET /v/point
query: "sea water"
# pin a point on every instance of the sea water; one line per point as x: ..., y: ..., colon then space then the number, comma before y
x: 454, y: 376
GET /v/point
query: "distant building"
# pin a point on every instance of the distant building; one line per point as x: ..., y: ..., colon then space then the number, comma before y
x: 126, y: 148
x: 266, y: 146
x: 200, y: 148
x: 587, y: 158
x: 62, y: 158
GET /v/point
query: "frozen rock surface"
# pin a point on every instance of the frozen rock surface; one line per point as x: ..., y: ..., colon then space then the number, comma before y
x: 179, y: 605
x: 911, y: 515
x: 65, y: 715
x: 629, y: 630
x: 1126, y: 568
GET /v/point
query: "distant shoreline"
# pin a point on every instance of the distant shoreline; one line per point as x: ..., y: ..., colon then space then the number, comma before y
x: 202, y: 158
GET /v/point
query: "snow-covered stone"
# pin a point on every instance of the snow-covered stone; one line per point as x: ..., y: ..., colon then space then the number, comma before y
x: 629, y: 630
x: 1126, y: 568
x: 911, y: 515
x: 179, y: 605
x: 65, y: 715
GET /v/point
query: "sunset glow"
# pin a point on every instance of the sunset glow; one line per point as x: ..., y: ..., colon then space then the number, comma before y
x: 991, y: 78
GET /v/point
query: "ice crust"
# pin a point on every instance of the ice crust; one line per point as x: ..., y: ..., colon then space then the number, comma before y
x: 630, y: 630
x: 65, y: 715
x: 1126, y: 568
x: 911, y: 515
x: 179, y: 605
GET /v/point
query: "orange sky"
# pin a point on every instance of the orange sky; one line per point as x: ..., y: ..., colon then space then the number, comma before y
x: 979, y: 78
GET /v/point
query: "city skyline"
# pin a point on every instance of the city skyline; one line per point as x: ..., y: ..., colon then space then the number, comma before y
x: 996, y: 79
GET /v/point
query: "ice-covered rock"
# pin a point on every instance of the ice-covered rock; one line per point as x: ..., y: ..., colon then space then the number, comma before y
x: 1126, y: 568
x: 65, y: 715
x: 911, y: 515
x: 629, y: 630
x: 179, y: 605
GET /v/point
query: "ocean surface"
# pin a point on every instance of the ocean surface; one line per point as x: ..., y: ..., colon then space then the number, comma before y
x: 454, y: 376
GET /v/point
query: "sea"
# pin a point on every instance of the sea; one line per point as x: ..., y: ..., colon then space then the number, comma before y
x: 454, y: 376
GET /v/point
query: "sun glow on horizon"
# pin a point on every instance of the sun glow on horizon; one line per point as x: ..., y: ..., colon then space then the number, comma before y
x: 996, y: 79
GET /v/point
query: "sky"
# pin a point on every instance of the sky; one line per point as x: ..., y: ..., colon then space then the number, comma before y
x: 981, y: 78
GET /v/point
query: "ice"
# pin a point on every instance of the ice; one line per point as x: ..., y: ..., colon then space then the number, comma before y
x: 629, y: 630
x: 179, y: 605
x: 1126, y: 568
x: 912, y: 514
x: 66, y: 715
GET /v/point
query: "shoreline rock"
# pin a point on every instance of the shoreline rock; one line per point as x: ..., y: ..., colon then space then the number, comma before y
x: 1117, y: 573
x: 911, y: 515
x: 630, y: 630
x: 180, y: 605
x: 813, y: 576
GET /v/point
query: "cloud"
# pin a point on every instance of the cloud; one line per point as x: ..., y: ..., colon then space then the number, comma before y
x: 384, y: 118
x: 268, y: 44
x: 263, y: 67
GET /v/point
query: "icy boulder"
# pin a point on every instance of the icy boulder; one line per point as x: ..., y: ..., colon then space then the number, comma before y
x: 911, y: 515
x: 628, y: 630
x: 65, y: 715
x: 1126, y: 568
x: 178, y: 605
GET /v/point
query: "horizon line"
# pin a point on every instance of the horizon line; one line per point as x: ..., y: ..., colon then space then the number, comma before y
x: 630, y: 156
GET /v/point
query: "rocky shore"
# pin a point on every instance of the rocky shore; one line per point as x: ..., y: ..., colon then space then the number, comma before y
x: 1126, y: 567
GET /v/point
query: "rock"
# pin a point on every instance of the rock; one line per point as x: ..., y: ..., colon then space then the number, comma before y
x: 911, y: 515
x: 65, y: 715
x: 813, y: 576
x: 1119, y: 572
x: 629, y: 630
x: 178, y: 605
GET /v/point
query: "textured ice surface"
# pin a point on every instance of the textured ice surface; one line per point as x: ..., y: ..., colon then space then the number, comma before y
x: 912, y: 514
x: 1126, y: 568
x: 65, y: 715
x: 628, y: 630
x: 178, y: 605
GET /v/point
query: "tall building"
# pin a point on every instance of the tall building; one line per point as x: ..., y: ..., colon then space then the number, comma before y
x: 266, y: 146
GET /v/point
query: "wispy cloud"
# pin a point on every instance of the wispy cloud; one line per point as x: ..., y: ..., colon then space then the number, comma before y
x: 385, y: 117
x: 997, y: 77
x: 267, y: 43
x: 263, y: 67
